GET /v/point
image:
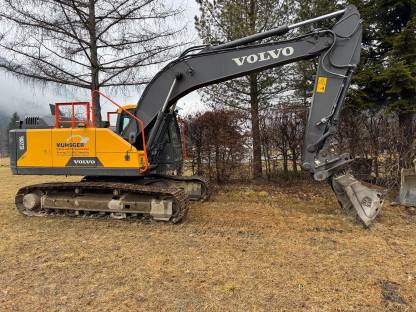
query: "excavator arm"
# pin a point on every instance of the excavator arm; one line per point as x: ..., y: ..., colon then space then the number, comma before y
x: 338, y: 50
x: 338, y: 53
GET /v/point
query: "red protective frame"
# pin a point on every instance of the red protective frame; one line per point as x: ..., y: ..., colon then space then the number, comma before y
x: 72, y: 121
x: 146, y: 163
x: 108, y: 116
x: 90, y: 117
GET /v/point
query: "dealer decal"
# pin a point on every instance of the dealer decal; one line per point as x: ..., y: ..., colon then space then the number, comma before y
x: 74, y: 141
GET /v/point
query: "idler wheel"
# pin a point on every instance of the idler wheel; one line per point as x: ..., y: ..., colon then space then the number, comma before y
x: 31, y: 201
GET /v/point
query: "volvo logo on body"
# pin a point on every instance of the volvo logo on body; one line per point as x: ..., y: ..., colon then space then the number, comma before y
x: 84, y: 162
x: 263, y: 56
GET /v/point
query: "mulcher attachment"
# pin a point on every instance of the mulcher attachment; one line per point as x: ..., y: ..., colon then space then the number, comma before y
x: 356, y: 199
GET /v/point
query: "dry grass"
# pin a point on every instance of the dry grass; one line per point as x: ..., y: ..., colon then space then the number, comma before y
x: 4, y: 161
x: 250, y: 248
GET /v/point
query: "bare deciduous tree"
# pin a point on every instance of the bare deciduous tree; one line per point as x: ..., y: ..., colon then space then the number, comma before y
x: 217, y: 143
x: 89, y: 44
x: 282, y: 137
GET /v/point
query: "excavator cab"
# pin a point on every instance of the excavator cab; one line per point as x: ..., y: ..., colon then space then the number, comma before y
x: 118, y: 120
x: 170, y: 152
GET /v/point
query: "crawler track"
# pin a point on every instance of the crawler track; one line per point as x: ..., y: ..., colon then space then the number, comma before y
x: 196, y: 187
x: 178, y: 180
x: 103, y: 200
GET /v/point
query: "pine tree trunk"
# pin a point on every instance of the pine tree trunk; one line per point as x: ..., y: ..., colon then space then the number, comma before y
x: 255, y: 127
x: 95, y: 83
x: 254, y: 105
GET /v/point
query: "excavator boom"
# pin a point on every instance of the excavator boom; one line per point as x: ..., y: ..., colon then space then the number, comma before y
x: 338, y: 51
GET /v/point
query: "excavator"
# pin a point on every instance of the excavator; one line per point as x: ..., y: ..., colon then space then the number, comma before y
x: 133, y: 170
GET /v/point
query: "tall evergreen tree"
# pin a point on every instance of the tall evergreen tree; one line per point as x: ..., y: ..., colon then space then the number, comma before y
x: 305, y: 70
x: 386, y: 77
x: 226, y: 20
x: 387, y: 74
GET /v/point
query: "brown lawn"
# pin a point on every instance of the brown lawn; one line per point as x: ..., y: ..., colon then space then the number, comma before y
x: 250, y: 248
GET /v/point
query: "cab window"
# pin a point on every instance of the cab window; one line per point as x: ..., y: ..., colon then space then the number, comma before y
x: 125, y: 121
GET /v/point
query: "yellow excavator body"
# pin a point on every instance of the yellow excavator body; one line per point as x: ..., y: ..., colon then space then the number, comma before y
x: 78, y: 147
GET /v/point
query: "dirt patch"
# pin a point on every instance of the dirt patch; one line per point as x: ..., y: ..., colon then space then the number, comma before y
x: 390, y: 292
x: 249, y: 248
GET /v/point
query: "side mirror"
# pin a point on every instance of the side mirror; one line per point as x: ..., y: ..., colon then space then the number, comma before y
x: 132, y: 138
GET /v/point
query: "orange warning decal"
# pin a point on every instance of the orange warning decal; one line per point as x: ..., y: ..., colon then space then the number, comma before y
x: 321, y: 85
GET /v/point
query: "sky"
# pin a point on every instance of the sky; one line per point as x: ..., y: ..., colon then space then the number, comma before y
x: 34, y: 99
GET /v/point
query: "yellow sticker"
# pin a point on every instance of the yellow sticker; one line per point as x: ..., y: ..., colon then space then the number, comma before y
x: 321, y: 85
